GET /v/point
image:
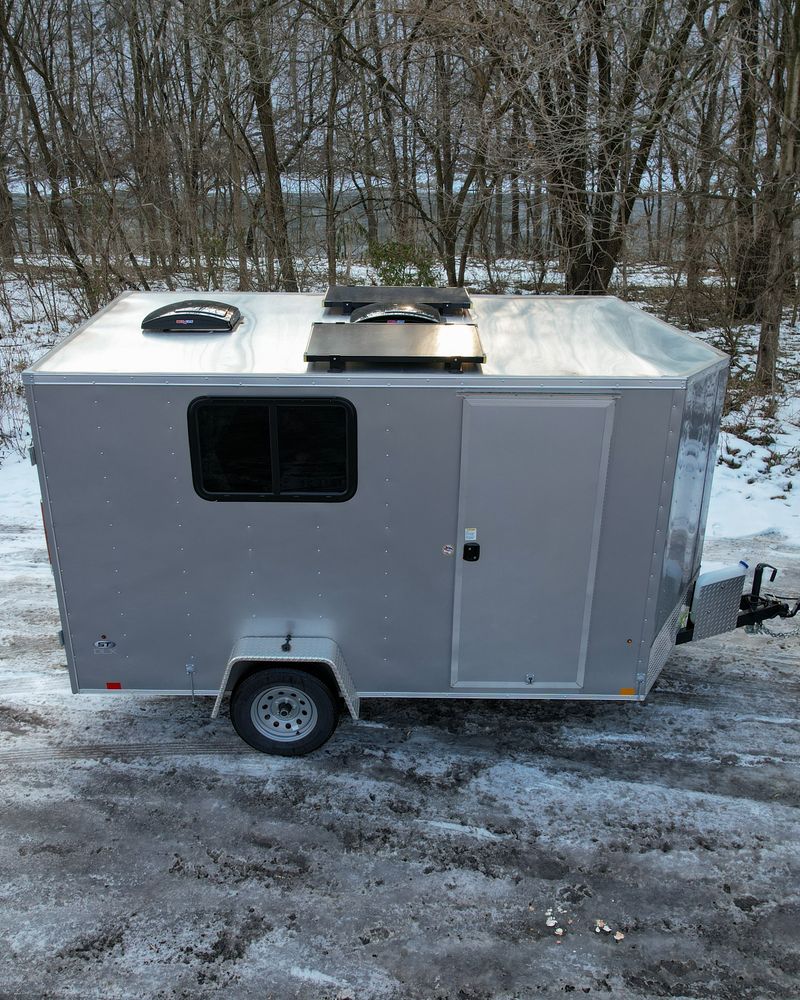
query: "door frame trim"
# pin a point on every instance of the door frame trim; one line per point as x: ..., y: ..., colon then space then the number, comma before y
x: 605, y: 401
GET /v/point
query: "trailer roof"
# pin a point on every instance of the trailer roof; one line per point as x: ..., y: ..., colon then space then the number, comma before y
x: 523, y: 336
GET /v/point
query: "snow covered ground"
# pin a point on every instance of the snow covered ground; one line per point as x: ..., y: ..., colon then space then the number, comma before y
x: 426, y: 850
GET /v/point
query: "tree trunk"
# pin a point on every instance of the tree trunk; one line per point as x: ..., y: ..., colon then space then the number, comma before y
x: 7, y: 228
x: 499, y: 244
x: 750, y: 254
x: 260, y: 82
x: 781, y: 196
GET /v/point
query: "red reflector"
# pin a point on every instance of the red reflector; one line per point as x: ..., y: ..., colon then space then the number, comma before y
x: 114, y: 685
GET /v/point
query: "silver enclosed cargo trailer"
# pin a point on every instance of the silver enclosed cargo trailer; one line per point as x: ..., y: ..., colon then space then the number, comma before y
x: 382, y: 493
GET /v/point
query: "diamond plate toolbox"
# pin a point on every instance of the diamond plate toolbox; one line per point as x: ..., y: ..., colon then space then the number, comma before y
x: 716, y: 607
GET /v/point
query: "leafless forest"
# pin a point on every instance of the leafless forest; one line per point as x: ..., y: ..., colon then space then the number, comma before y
x: 232, y: 143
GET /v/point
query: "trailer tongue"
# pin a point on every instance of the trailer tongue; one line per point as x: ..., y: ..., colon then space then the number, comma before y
x: 717, y: 612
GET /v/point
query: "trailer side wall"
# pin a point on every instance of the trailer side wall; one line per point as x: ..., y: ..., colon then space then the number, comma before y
x: 171, y: 578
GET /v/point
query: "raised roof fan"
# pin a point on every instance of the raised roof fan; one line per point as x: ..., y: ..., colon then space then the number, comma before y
x: 396, y: 312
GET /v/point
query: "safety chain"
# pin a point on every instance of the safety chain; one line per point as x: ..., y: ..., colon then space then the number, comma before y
x: 760, y: 627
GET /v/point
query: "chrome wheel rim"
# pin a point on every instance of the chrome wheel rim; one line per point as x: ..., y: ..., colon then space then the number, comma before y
x: 284, y: 713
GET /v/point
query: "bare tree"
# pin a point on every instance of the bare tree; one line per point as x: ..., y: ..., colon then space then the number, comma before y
x: 243, y: 141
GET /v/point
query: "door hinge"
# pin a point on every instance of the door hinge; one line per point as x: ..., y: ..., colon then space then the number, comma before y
x: 61, y: 637
x: 640, y: 682
x: 32, y: 454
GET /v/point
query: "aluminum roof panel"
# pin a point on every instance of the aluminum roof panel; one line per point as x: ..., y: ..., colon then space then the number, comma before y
x: 522, y: 336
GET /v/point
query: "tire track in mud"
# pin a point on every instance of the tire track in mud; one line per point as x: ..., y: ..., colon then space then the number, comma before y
x: 722, y: 704
x: 36, y: 687
x: 722, y: 701
x: 643, y: 760
x: 88, y: 751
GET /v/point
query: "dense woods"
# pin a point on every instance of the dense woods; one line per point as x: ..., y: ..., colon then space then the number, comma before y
x: 233, y: 142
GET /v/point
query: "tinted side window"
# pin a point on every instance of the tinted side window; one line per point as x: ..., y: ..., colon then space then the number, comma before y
x: 312, y: 449
x: 273, y: 449
x: 234, y: 452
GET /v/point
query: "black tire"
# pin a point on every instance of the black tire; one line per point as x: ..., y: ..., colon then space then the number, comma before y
x: 284, y: 711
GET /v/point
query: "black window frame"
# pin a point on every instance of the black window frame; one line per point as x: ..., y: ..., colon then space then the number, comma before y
x: 273, y: 402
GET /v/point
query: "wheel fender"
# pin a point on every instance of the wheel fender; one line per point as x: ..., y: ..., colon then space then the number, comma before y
x: 302, y: 649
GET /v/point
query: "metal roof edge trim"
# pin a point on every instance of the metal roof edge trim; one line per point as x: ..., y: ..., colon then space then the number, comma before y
x: 338, y: 380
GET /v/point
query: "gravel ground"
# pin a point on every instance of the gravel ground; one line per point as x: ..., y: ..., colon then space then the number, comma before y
x: 431, y: 850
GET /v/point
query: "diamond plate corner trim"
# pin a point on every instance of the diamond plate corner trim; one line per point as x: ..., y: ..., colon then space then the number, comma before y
x: 716, y: 608
x: 663, y: 644
x: 267, y: 649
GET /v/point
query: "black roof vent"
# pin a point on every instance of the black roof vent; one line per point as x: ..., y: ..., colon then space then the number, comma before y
x: 192, y: 316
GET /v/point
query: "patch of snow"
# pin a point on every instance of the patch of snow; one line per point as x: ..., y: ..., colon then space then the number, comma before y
x: 473, y: 831
x: 740, y: 510
x: 758, y: 455
x: 19, y: 492
x: 314, y: 976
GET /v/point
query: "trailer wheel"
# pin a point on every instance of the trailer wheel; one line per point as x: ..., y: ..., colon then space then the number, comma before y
x: 280, y: 711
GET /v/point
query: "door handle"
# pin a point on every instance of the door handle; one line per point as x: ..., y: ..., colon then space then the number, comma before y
x: 472, y: 552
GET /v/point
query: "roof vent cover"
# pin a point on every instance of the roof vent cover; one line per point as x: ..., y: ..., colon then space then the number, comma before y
x: 192, y: 316
x: 396, y: 312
